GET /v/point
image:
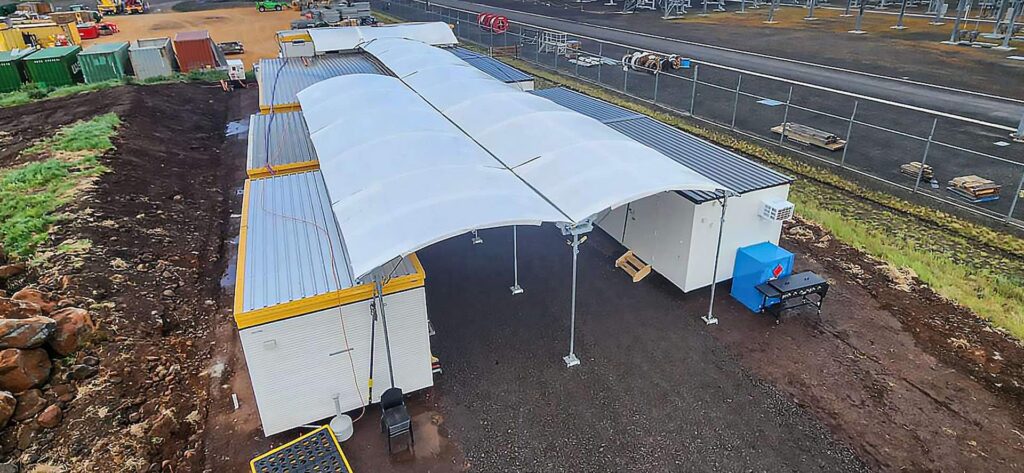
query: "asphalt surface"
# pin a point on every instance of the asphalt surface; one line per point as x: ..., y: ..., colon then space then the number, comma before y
x: 956, y: 102
x: 881, y: 139
x: 655, y: 391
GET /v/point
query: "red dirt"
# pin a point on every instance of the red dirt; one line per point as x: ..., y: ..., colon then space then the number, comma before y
x: 910, y: 380
x: 155, y: 222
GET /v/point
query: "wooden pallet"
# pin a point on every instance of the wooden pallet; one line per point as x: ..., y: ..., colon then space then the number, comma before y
x: 505, y: 51
x: 913, y: 169
x: 975, y: 188
x: 804, y: 134
x: 633, y: 266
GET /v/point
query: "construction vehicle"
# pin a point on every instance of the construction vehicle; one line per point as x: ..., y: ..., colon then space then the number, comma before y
x: 121, y: 7
x: 265, y: 5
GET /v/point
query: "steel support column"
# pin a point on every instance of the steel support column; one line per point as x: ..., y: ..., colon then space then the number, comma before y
x: 571, y: 359
x: 924, y: 159
x: 516, y: 289
x: 710, y: 318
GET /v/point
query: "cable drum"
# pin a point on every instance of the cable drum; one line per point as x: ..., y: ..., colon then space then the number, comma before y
x: 494, y: 23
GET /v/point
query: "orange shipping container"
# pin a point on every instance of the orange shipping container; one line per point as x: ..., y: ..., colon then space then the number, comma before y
x: 194, y: 50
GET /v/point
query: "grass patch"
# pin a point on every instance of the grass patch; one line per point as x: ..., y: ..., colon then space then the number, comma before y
x: 995, y: 298
x: 33, y: 92
x: 31, y: 194
x: 948, y: 253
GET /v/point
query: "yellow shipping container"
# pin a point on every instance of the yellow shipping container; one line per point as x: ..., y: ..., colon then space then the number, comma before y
x: 11, y: 38
x: 47, y: 35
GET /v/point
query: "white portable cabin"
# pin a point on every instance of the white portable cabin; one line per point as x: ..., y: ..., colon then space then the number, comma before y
x: 305, y: 325
x: 676, y: 232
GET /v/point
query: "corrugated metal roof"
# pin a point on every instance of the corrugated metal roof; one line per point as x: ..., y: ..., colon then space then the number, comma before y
x: 192, y: 35
x: 599, y: 110
x: 292, y: 243
x: 714, y: 162
x: 292, y: 75
x: 289, y: 140
x: 491, y: 66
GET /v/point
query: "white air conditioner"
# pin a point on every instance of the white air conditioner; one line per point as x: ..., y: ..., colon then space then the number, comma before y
x: 777, y: 210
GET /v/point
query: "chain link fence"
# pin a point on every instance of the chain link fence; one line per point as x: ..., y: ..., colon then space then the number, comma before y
x: 880, y: 138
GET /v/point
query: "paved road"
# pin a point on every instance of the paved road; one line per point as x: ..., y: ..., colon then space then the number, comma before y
x: 976, y: 106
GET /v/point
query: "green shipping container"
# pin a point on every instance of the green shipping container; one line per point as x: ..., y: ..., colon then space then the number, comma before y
x: 12, y: 69
x: 54, y: 67
x: 104, y: 62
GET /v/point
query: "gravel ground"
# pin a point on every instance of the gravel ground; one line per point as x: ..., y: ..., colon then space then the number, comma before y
x: 655, y: 391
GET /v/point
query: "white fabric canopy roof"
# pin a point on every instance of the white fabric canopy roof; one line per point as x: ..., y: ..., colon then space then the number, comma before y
x: 448, y: 149
x: 580, y: 165
x: 349, y: 38
x: 401, y: 176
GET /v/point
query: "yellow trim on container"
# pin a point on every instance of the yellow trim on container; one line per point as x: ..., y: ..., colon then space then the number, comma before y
x: 320, y: 302
x: 290, y: 168
x: 282, y: 108
x: 240, y: 266
x: 252, y: 463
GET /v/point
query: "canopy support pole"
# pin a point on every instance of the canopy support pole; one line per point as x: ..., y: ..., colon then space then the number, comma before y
x: 476, y: 238
x: 571, y: 359
x: 515, y: 263
x: 710, y: 318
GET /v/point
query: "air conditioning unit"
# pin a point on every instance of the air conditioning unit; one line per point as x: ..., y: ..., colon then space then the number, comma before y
x: 777, y: 210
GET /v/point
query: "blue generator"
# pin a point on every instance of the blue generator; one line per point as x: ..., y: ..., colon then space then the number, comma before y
x: 757, y: 264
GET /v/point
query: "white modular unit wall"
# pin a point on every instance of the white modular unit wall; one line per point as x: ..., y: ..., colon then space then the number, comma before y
x: 677, y: 237
x: 307, y: 368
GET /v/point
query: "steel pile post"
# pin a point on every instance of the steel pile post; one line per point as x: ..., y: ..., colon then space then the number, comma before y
x: 924, y: 159
x: 903, y: 12
x: 736, y: 102
x: 600, y: 57
x: 846, y: 11
x: 693, y: 92
x: 1019, y: 135
x: 771, y: 12
x: 810, y: 9
x: 1006, y: 43
x: 938, y: 12
x: 860, y: 18
x: 656, y: 76
x: 849, y: 133
x: 954, y: 35
x: 999, y: 16
x: 1019, y: 195
x: 785, y: 116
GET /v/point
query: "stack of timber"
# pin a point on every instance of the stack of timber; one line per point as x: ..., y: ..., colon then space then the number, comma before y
x: 914, y: 168
x: 974, y: 188
x: 810, y: 136
x: 633, y: 266
x: 505, y: 51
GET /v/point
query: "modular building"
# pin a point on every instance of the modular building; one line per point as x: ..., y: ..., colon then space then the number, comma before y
x: 195, y: 51
x: 152, y: 57
x: 54, y: 67
x: 306, y: 325
x: 104, y: 62
x: 675, y: 232
x: 279, y: 144
x: 495, y: 68
x: 12, y: 69
x: 280, y: 80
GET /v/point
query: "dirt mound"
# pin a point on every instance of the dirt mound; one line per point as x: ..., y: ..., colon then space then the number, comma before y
x: 159, y: 211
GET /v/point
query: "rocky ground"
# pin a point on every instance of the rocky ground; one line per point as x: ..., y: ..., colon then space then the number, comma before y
x: 108, y: 372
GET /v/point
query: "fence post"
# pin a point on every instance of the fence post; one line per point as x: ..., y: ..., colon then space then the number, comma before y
x: 736, y: 102
x: 785, y: 116
x: 924, y: 159
x: 849, y: 131
x: 1017, y: 196
x: 693, y: 91
x: 656, y: 76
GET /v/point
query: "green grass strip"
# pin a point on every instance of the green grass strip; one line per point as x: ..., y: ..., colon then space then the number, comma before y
x: 31, y: 194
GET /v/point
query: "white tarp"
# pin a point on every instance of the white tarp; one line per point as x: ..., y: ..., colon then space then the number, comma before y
x: 348, y: 38
x: 401, y: 176
x: 580, y: 165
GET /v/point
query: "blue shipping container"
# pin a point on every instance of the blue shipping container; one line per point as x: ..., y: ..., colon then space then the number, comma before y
x: 757, y: 264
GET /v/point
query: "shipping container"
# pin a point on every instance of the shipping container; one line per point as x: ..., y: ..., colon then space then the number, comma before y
x: 104, y: 62
x: 152, y: 57
x: 12, y: 69
x: 54, y: 67
x: 11, y: 38
x: 194, y: 50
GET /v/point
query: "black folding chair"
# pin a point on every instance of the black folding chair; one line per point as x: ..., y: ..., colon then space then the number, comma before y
x: 394, y: 418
